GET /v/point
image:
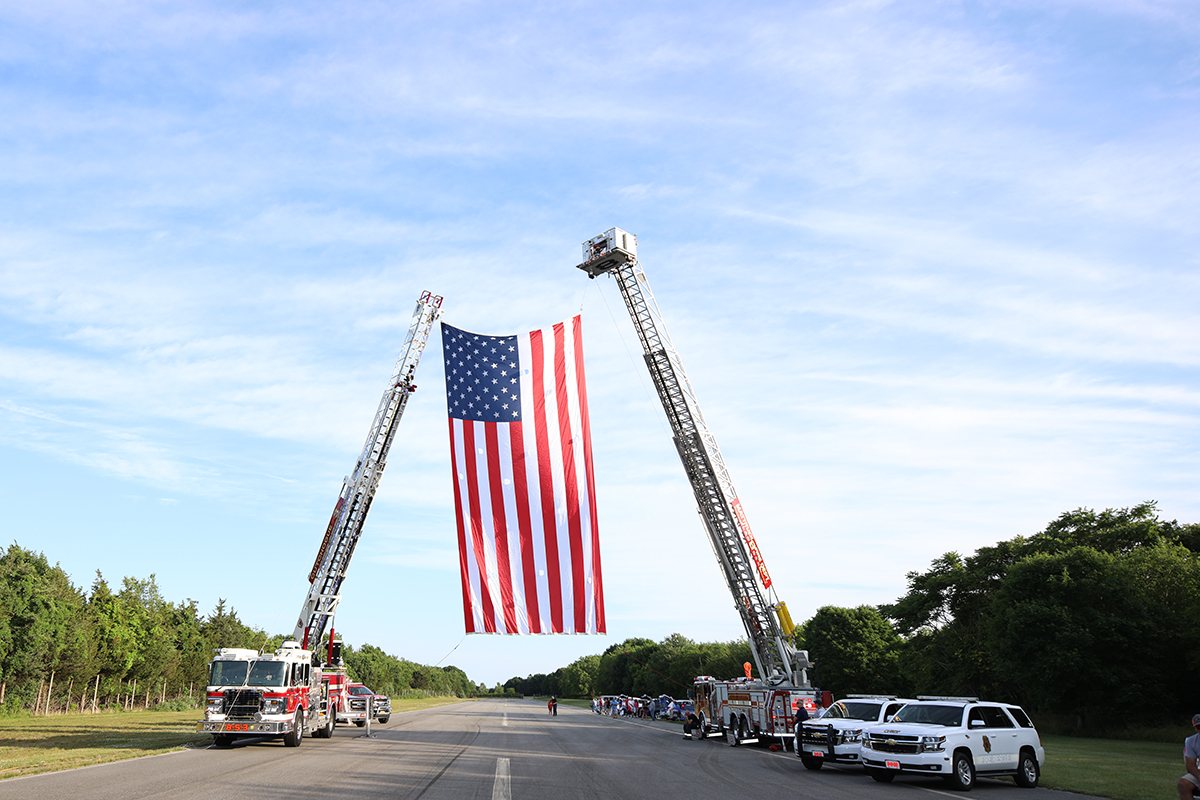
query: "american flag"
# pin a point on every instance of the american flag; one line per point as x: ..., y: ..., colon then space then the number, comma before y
x: 521, y: 451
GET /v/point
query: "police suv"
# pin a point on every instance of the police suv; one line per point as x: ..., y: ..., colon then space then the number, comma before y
x: 956, y: 738
x: 835, y: 737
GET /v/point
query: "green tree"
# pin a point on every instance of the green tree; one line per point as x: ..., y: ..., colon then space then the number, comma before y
x: 579, y: 678
x: 855, y: 649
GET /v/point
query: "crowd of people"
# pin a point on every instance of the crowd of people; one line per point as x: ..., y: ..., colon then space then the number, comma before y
x: 644, y: 707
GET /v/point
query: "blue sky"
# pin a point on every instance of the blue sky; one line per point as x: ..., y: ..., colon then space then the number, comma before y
x: 932, y: 268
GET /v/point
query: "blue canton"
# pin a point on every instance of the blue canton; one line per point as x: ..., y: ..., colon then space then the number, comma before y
x: 482, y: 376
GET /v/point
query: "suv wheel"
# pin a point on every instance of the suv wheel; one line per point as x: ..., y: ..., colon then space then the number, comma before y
x: 810, y: 762
x: 1027, y: 770
x: 881, y: 775
x: 962, y: 774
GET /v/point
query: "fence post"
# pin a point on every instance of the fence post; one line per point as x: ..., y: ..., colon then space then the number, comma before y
x: 95, y: 693
x: 49, y: 692
x: 37, y: 702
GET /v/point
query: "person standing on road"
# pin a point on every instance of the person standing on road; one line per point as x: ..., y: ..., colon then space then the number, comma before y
x: 550, y: 706
x: 1190, y: 782
x: 554, y: 705
x: 798, y: 720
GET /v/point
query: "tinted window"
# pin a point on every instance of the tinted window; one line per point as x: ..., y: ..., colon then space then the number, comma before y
x: 931, y: 714
x: 995, y: 717
x: 891, y: 710
x: 1019, y: 716
x: 854, y: 709
x: 976, y: 715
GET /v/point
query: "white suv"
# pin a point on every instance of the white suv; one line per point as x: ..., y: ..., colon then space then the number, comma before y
x: 956, y: 738
x: 834, y: 738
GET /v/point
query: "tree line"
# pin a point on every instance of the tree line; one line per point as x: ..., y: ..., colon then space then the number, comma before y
x: 62, y: 647
x: 1093, y: 616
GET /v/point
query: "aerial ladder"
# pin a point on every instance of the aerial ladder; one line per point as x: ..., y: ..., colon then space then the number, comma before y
x: 289, y: 693
x: 358, y: 488
x: 768, y: 625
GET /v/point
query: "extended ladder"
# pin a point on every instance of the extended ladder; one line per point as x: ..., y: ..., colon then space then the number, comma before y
x: 358, y: 489
x: 615, y: 252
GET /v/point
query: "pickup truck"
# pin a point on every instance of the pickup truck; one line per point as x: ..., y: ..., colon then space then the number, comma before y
x: 363, y: 702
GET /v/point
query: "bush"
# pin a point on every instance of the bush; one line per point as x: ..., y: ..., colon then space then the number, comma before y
x: 184, y: 703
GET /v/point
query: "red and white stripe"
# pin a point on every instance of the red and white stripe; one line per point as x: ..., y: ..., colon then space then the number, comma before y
x: 528, y: 543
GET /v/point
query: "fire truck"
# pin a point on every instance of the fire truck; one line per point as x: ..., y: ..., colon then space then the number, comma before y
x: 278, y: 695
x: 744, y: 709
x: 294, y: 691
x: 747, y: 711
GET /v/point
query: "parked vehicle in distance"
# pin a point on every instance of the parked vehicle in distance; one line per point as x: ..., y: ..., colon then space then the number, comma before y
x: 363, y: 702
x: 957, y: 738
x: 835, y: 738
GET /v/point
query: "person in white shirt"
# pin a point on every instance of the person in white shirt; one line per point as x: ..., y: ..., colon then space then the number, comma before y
x: 1190, y: 782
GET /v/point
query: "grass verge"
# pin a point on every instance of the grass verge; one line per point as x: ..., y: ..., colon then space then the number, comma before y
x: 1122, y: 770
x: 29, y: 745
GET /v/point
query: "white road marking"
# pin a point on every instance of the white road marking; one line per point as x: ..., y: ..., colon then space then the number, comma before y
x: 501, y: 790
x: 504, y: 722
x: 935, y: 791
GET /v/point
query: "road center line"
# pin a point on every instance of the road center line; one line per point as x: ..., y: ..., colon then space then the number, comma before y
x: 501, y: 790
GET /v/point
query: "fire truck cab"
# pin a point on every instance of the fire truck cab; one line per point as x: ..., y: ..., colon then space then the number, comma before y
x: 281, y: 695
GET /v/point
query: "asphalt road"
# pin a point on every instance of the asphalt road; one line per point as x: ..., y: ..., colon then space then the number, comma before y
x: 490, y: 750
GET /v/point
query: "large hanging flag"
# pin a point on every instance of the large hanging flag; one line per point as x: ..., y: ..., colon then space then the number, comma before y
x: 521, y: 452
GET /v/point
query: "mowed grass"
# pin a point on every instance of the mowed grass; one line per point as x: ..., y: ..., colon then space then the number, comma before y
x: 29, y: 745
x: 1123, y: 770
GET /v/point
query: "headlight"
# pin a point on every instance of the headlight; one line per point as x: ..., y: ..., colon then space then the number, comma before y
x: 933, y: 744
x: 214, y: 703
x: 275, y: 705
x: 852, y: 736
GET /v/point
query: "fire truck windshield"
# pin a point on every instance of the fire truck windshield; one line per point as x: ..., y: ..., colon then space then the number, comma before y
x: 228, y: 673
x: 267, y: 673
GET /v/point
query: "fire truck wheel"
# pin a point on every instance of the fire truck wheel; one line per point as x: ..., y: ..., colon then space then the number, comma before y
x: 701, y: 731
x: 811, y: 763
x: 294, y: 738
x: 222, y: 740
x: 325, y: 731
x: 360, y: 722
x: 731, y: 734
x: 881, y: 775
x: 384, y: 719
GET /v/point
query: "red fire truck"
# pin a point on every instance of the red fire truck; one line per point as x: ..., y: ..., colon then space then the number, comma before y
x: 288, y: 693
x: 745, y: 711
x: 280, y: 695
